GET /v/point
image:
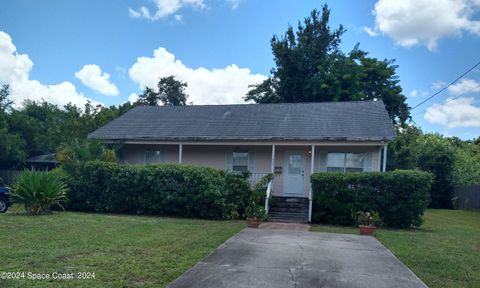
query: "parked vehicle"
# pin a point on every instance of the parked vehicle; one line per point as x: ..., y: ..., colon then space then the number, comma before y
x: 5, y: 199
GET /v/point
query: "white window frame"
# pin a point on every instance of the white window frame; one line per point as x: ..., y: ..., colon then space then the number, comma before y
x: 157, y: 152
x: 246, y: 165
x: 344, y: 167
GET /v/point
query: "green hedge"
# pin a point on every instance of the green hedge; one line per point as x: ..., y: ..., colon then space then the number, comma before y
x: 399, y: 196
x: 165, y: 189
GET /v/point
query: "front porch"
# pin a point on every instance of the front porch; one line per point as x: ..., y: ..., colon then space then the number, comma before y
x: 292, y: 163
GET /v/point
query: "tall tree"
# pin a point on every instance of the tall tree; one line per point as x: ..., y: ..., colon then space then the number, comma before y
x: 170, y: 91
x: 310, y: 67
x: 12, y: 146
x: 5, y: 103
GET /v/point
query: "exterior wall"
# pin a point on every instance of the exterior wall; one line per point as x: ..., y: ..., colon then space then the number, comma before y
x: 215, y: 156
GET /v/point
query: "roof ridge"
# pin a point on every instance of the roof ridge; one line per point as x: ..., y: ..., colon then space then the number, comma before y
x: 265, y: 104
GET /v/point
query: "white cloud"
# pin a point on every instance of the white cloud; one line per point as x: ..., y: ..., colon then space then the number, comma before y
x: 178, y: 17
x: 92, y: 76
x: 369, y: 31
x: 121, y: 71
x: 234, y: 3
x: 15, y: 69
x: 464, y: 86
x: 205, y: 86
x: 165, y: 8
x: 454, y: 113
x: 133, y: 97
x: 439, y: 84
x: 424, y: 22
x: 416, y: 93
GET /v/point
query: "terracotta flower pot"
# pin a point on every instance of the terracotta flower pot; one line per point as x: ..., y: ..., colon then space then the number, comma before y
x: 366, y: 230
x: 253, y: 222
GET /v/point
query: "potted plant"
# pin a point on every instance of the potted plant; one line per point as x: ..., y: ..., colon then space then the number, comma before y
x: 367, y: 221
x: 255, y: 215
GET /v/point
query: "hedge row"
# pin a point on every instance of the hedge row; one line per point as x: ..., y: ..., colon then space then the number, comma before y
x: 166, y: 189
x: 399, y: 196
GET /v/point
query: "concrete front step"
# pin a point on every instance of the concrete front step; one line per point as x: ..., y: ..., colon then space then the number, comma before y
x: 289, y: 209
x: 283, y: 220
x: 289, y: 217
x: 289, y: 200
x: 289, y: 205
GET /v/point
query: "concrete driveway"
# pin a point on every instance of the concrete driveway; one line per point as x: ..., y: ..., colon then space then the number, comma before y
x: 283, y: 258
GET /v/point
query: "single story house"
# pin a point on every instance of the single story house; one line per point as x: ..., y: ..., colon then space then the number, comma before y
x: 291, y: 140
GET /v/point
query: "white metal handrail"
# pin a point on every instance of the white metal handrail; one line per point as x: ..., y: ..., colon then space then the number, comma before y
x: 310, y: 200
x: 267, y: 196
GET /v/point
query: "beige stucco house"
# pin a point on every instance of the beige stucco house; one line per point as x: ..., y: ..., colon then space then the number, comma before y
x: 290, y: 140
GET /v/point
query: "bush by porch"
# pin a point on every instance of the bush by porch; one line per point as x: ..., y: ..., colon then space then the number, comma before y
x: 399, y: 196
x: 165, y: 189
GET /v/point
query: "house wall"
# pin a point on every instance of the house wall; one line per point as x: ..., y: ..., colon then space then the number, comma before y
x: 215, y: 156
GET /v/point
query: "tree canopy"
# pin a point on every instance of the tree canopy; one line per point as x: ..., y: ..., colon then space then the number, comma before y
x: 310, y: 67
x: 170, y: 91
x: 41, y: 127
x: 452, y: 161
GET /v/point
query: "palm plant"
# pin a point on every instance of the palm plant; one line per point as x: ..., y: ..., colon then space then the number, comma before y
x: 38, y: 191
x: 77, y: 151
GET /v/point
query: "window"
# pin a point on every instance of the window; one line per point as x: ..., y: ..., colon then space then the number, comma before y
x: 240, y: 161
x: 345, y: 162
x: 153, y: 156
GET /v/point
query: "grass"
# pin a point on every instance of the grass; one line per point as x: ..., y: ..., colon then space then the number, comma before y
x: 130, y: 251
x: 123, y: 251
x: 444, y: 252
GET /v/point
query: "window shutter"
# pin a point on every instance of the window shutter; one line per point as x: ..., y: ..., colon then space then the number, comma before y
x: 322, y: 165
x: 251, y: 162
x: 367, y: 165
x: 229, y: 161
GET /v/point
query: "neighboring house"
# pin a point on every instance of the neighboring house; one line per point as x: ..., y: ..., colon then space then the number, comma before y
x: 260, y: 138
x: 43, y: 162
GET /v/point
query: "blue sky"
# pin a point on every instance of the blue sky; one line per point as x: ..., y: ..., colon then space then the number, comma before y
x: 62, y: 51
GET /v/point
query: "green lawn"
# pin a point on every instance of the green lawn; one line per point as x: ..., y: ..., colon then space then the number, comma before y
x: 123, y: 251
x: 129, y: 251
x: 445, y: 252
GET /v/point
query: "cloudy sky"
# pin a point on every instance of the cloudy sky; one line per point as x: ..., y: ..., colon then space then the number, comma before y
x: 107, y: 51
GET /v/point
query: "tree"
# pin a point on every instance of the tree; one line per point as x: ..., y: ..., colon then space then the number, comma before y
x: 310, y: 67
x: 466, y: 170
x: 5, y: 103
x: 78, y: 151
x: 12, y: 151
x: 437, y: 155
x: 170, y: 92
x: 403, y: 151
x: 451, y: 160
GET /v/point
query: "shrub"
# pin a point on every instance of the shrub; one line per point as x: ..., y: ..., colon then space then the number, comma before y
x: 437, y: 155
x: 400, y: 196
x: 165, y: 189
x: 38, y: 191
x: 367, y: 218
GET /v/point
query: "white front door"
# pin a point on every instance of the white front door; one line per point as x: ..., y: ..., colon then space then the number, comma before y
x: 293, y: 180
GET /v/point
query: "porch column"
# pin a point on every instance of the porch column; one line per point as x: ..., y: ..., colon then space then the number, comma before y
x: 269, y: 187
x: 310, y: 196
x: 180, y: 153
x: 379, y: 165
x: 312, y: 160
x: 273, y: 159
x: 384, y: 168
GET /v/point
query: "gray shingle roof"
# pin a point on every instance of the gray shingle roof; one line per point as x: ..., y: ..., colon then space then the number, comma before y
x: 355, y: 121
